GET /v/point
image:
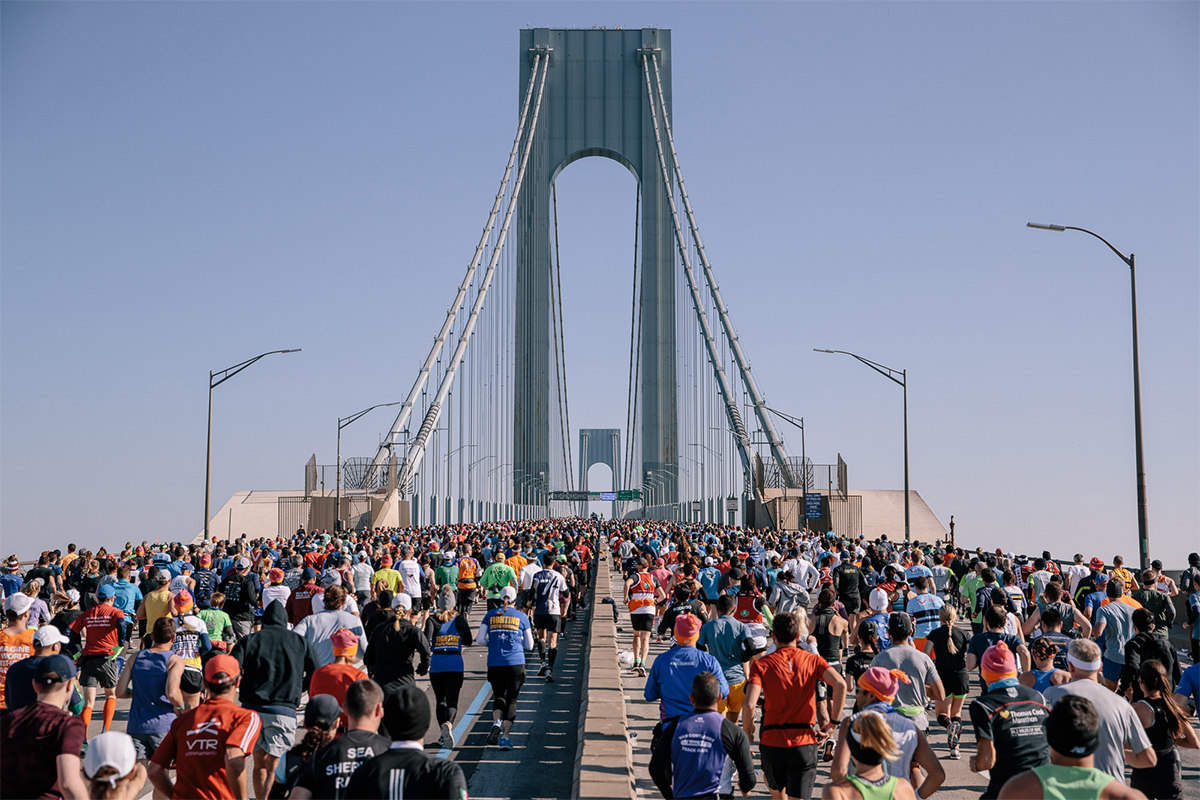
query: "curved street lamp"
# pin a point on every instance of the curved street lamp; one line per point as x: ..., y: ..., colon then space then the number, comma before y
x: 1143, y: 531
x: 225, y: 374
x: 343, y: 422
x: 890, y: 374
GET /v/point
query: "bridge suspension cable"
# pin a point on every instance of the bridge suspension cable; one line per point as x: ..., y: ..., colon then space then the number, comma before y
x: 756, y: 398
x: 416, y: 450
x: 439, y: 341
x: 735, y: 418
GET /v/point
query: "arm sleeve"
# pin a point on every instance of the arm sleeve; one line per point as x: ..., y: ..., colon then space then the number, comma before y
x: 527, y: 637
x: 1133, y: 662
x: 737, y: 746
x: 1170, y: 611
x: 660, y: 761
x: 463, y: 626
x: 424, y: 651
x: 481, y: 636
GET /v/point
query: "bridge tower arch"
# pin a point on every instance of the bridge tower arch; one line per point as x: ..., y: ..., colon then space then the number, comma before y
x: 595, y: 103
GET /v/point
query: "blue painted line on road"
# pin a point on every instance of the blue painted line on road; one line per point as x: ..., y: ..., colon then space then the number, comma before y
x: 464, y: 724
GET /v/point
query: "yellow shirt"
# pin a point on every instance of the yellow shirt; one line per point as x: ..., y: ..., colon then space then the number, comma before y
x: 387, y: 574
x: 1124, y: 576
x: 158, y: 605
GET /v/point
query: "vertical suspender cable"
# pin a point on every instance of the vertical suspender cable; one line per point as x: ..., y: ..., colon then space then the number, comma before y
x: 735, y: 418
x: 564, y: 396
x: 760, y: 404
x: 633, y: 321
x: 416, y: 453
x: 452, y: 313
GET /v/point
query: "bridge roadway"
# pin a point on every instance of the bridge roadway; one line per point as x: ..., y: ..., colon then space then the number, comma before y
x: 545, y: 735
x: 960, y: 784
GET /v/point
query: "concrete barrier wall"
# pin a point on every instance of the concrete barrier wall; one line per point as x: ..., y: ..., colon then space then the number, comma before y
x: 604, y: 767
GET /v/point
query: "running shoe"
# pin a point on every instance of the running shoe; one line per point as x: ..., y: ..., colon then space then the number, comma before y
x: 953, y: 733
x: 506, y: 743
x: 828, y: 754
x: 447, y: 736
x: 549, y: 677
x: 493, y: 735
x: 955, y: 755
x: 543, y: 670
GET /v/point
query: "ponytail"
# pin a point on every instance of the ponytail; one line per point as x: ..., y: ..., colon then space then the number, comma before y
x: 949, y: 615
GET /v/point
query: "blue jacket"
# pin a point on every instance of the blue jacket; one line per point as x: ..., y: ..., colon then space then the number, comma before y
x: 671, y: 679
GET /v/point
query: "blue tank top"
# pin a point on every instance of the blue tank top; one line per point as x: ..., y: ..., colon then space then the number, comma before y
x: 447, y: 648
x: 150, y: 711
x: 1041, y: 679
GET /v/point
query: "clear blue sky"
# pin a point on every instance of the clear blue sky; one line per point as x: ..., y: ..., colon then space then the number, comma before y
x: 187, y: 185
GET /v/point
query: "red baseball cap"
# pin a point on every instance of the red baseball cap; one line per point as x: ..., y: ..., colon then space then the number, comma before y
x: 222, y: 664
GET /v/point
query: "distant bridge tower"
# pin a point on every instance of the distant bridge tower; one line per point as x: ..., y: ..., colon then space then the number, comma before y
x: 599, y: 446
x: 596, y: 104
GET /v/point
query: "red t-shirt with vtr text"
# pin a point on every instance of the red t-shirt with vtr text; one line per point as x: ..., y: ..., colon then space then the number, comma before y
x: 788, y: 678
x: 196, y: 745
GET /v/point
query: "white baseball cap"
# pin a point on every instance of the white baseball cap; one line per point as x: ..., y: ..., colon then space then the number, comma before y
x: 112, y: 749
x: 18, y: 603
x: 508, y: 593
x: 878, y: 600
x: 402, y: 600
x: 48, y: 635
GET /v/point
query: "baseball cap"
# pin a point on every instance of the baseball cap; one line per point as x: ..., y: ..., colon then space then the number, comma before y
x: 113, y: 749
x: 508, y: 593
x: 222, y: 665
x: 687, y: 628
x: 708, y: 561
x: 402, y: 600
x: 445, y: 599
x: 331, y: 577
x: 322, y: 710
x: 18, y: 603
x: 243, y: 563
x: 163, y: 576
x: 877, y: 600
x: 54, y: 669
x: 345, y: 642
x: 48, y: 635
x: 106, y: 591
x: 308, y: 574
x: 73, y: 594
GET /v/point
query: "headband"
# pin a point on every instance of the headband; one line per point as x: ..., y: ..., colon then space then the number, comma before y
x: 1085, y: 666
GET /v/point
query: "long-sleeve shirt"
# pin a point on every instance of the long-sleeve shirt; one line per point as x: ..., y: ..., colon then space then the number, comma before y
x: 671, y: 676
x: 389, y: 657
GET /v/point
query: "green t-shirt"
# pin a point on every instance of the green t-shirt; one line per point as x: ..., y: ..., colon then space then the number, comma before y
x: 968, y: 589
x: 446, y: 575
x: 217, y: 621
x: 496, y: 577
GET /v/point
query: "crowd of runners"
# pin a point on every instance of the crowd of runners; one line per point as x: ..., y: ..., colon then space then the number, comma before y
x: 288, y: 667
x: 277, y: 668
x: 1068, y: 666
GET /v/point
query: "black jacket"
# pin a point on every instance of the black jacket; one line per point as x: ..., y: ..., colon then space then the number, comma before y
x: 1148, y: 647
x: 276, y: 664
x: 390, y: 652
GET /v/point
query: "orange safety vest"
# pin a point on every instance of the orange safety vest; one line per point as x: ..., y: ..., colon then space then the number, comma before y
x: 467, y: 568
x: 641, y: 594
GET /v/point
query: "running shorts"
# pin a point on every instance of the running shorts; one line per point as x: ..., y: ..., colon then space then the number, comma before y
x: 737, y: 696
x: 548, y: 622
x: 642, y: 622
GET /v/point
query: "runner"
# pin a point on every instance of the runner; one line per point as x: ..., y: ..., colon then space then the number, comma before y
x: 507, y: 634
x: 550, y: 591
x: 103, y: 627
x: 16, y: 640
x: 152, y: 678
x: 871, y: 747
x: 208, y: 745
x: 642, y: 594
x: 447, y: 631
x: 328, y: 772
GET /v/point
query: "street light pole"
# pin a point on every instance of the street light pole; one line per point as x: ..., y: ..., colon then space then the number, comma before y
x: 890, y: 374
x: 1140, y: 465
x: 343, y: 422
x: 225, y: 374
